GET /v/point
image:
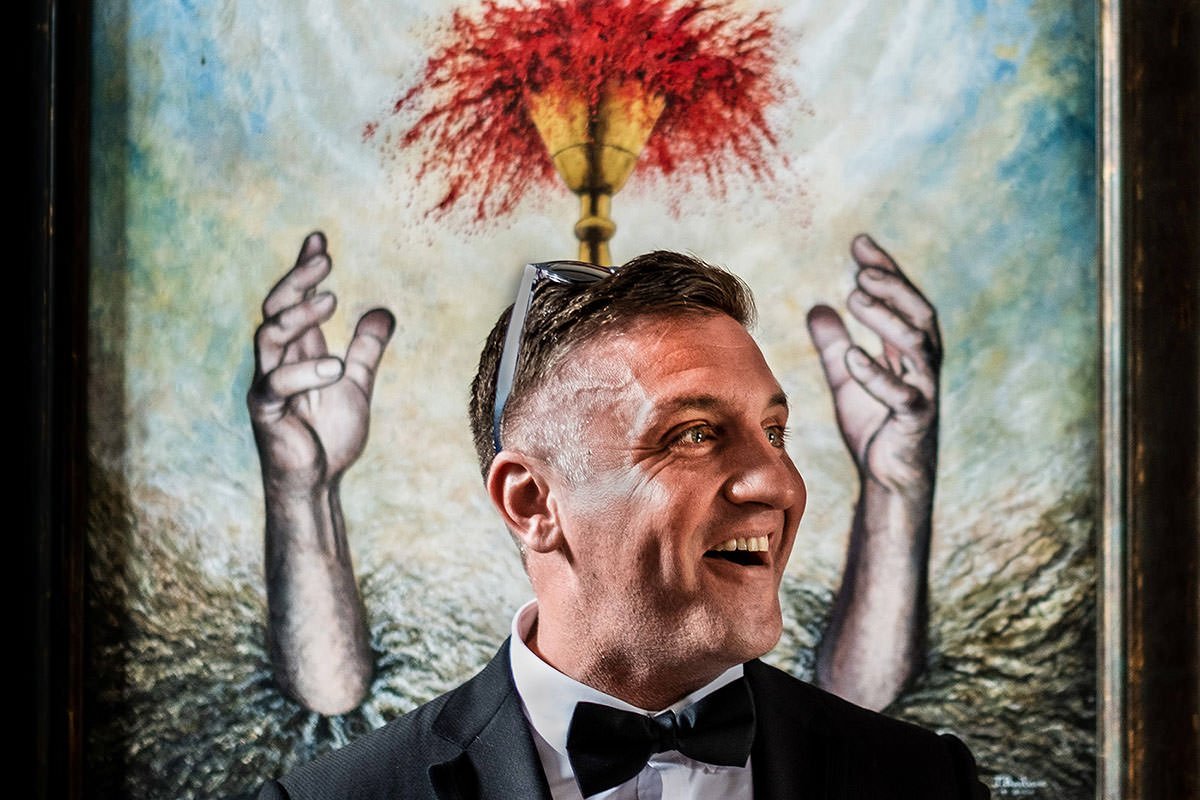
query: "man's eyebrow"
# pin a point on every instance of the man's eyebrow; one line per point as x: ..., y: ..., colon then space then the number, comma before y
x: 703, y: 402
x: 706, y: 402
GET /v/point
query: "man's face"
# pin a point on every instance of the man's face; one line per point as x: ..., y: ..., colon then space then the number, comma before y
x: 679, y: 426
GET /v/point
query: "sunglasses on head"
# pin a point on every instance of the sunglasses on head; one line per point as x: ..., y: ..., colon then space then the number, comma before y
x: 572, y: 273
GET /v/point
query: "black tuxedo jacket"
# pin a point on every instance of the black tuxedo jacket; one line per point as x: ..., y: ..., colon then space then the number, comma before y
x: 473, y: 743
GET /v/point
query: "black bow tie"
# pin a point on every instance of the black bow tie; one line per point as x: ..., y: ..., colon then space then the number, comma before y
x: 608, y: 746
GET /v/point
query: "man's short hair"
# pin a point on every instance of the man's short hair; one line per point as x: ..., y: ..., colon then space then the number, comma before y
x: 562, y: 317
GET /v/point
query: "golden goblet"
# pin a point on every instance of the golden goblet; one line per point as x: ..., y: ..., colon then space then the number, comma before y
x: 595, y: 150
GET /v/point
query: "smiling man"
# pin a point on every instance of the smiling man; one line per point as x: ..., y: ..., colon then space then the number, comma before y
x: 632, y: 437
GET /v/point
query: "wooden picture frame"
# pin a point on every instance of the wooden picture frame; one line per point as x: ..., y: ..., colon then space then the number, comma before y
x: 1149, y: 635
x: 1151, y: 212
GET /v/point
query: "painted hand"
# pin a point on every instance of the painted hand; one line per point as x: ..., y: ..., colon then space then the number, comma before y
x: 887, y: 406
x: 310, y: 410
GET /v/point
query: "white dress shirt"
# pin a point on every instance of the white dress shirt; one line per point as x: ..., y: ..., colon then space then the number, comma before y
x: 548, y: 699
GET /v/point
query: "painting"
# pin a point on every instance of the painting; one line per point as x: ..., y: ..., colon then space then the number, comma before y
x: 960, y: 135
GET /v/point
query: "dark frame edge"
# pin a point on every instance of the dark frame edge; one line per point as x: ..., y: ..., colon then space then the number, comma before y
x: 54, y: 423
x: 1150, y: 630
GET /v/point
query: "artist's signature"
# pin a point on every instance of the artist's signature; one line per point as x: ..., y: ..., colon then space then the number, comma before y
x: 1016, y: 786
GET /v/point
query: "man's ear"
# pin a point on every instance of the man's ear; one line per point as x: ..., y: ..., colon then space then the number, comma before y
x: 520, y: 489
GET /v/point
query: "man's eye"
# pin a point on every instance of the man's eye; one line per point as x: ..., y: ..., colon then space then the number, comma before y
x: 777, y: 435
x: 697, y: 434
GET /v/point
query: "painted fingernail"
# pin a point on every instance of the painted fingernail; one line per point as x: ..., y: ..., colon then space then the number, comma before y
x: 862, y: 298
x: 857, y: 358
x: 872, y: 274
x: 323, y: 300
x: 329, y: 368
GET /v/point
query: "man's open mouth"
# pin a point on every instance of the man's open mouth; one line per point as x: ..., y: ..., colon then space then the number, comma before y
x: 750, y: 551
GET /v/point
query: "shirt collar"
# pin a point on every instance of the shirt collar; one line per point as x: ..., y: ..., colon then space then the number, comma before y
x: 549, y: 697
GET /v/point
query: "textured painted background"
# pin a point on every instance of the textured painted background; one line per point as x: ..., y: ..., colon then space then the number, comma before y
x: 959, y: 133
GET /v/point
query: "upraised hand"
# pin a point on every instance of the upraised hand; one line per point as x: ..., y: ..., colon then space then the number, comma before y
x: 887, y: 410
x: 887, y: 406
x: 310, y: 412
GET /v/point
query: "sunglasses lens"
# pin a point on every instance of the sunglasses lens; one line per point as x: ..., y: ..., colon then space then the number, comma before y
x: 572, y: 272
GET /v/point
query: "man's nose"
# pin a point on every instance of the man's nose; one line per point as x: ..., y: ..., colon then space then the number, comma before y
x: 762, y: 473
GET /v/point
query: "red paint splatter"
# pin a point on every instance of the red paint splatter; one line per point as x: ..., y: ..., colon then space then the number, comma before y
x: 713, y: 65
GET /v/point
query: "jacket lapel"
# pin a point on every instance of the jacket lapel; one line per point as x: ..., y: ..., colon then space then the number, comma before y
x: 793, y: 757
x: 498, y: 760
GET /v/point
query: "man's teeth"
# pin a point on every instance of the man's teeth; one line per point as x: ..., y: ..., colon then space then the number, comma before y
x: 754, y: 544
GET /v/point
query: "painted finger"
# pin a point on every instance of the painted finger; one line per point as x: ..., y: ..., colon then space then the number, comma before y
x: 883, y: 384
x: 866, y: 253
x: 829, y: 336
x: 902, y: 296
x: 905, y: 346
x: 268, y: 397
x: 312, y: 266
x: 282, y: 337
x: 293, y: 379
x: 371, y: 337
x: 911, y: 303
x: 921, y: 378
x: 311, y: 344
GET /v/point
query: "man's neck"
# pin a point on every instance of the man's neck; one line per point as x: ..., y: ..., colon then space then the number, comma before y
x: 649, y: 679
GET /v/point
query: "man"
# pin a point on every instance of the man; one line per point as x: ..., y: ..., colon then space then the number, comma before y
x: 631, y: 436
